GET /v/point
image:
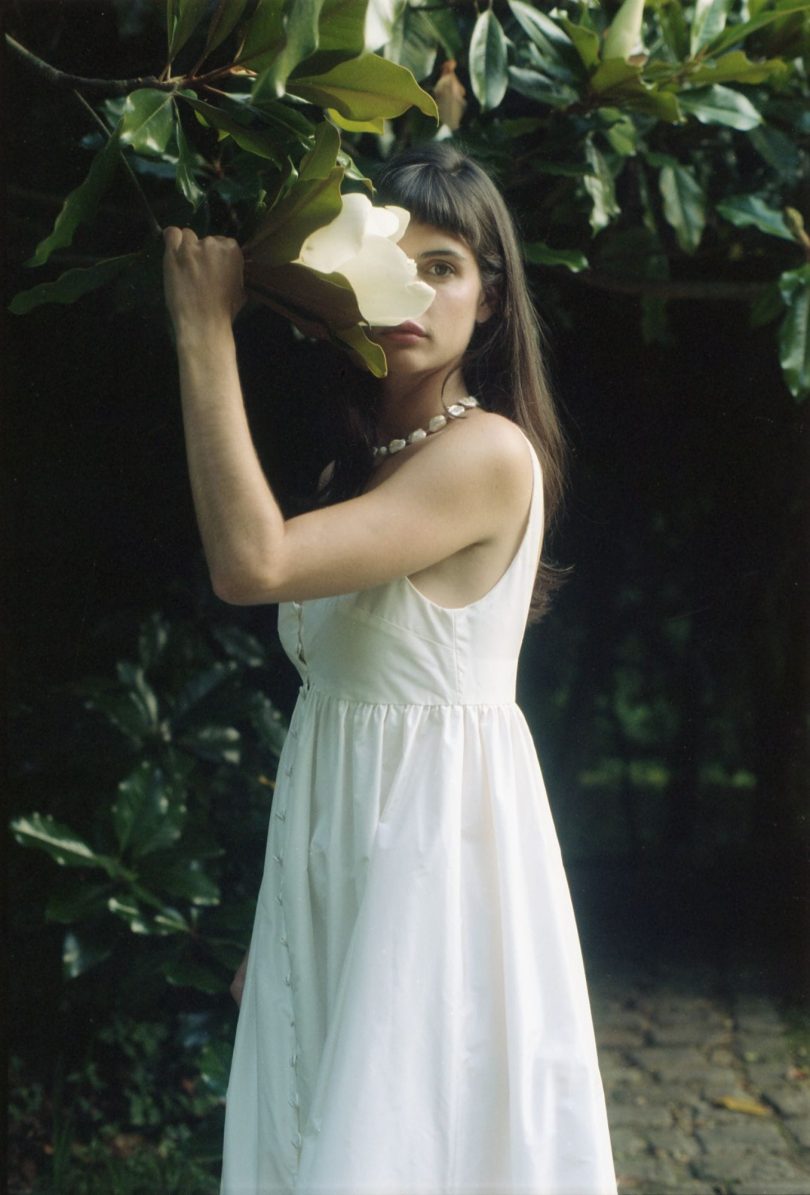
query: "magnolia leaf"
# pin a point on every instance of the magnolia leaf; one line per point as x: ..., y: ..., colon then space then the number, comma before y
x: 766, y: 307
x: 586, y: 42
x: 599, y: 185
x: 537, y: 87
x: 183, y: 18
x: 146, y: 120
x: 684, y: 204
x: 544, y: 32
x: 248, y: 139
x: 794, y: 331
x: 187, y: 184
x: 79, y: 955
x: 708, y: 22
x: 308, y: 205
x: 721, y: 105
x: 278, y: 38
x: 186, y: 879
x: 357, y: 126
x: 735, y: 67
x: 487, y: 60
x: 365, y: 352
x: 71, y: 285
x: 342, y: 27
x: 321, y: 160
x: 543, y: 255
x: 187, y: 973
x: 82, y: 203
x: 224, y: 20
x: 81, y: 902
x: 746, y: 1104
x: 219, y: 744
x: 364, y: 88
x: 382, y: 18
x: 615, y: 73
x: 130, y: 911
x: 750, y: 210
x: 149, y: 811
x: 60, y: 842
x: 734, y: 34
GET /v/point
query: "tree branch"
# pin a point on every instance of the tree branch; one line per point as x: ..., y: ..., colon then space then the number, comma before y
x: 98, y: 86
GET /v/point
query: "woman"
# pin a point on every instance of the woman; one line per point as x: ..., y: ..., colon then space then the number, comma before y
x: 414, y: 1015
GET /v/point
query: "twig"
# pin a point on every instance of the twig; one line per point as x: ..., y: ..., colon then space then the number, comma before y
x: 153, y: 221
x: 98, y: 86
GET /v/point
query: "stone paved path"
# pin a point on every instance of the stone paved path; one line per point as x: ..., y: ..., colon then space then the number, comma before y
x: 707, y: 1094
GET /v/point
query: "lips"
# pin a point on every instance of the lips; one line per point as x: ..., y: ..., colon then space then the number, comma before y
x: 409, y: 328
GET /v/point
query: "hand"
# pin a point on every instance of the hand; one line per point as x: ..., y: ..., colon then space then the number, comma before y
x: 238, y: 981
x: 202, y: 279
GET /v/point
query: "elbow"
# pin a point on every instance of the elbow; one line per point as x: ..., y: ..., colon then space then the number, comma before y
x: 244, y: 590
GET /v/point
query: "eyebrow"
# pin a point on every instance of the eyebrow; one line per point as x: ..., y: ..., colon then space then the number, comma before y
x: 441, y: 253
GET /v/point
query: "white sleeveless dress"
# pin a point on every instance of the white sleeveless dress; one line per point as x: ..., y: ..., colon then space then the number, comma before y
x: 415, y: 1018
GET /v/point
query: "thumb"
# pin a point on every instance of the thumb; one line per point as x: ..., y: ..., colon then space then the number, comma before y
x: 172, y: 237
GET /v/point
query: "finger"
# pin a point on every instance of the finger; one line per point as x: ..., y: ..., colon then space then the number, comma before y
x: 172, y: 237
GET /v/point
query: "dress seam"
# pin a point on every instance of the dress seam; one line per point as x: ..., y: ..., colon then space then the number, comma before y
x: 313, y: 691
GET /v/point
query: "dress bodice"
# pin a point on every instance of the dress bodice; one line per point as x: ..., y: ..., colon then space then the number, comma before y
x: 392, y: 645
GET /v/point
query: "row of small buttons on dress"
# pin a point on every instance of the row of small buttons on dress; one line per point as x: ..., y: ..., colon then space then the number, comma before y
x: 281, y: 815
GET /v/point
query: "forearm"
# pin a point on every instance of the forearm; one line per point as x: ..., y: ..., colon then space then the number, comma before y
x: 241, y: 525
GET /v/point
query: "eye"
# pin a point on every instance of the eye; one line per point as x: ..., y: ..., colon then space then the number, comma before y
x: 440, y: 269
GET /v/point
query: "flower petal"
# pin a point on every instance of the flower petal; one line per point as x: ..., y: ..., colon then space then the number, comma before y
x: 328, y: 247
x: 385, y: 284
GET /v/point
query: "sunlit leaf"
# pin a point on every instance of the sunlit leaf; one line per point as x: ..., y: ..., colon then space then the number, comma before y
x: 81, y: 205
x: 367, y: 353
x: 149, y: 810
x: 543, y: 255
x: 794, y: 331
x: 308, y: 205
x: 187, y: 161
x: 71, y: 285
x: 586, y: 42
x: 721, y: 105
x: 364, y: 88
x: 752, y: 211
x: 735, y: 67
x: 708, y: 22
x: 684, y: 204
x: 146, y: 120
x: 321, y: 160
x: 733, y: 34
x: 536, y: 86
x: 278, y: 38
x: 599, y: 185
x: 487, y: 60
x: 60, y: 842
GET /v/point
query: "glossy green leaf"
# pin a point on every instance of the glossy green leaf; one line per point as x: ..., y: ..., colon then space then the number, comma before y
x: 171, y: 921
x: 149, y: 810
x: 794, y: 331
x: 357, y: 126
x: 82, y: 203
x: 186, y: 879
x: 321, y: 160
x: 60, y: 842
x: 721, y: 105
x: 219, y: 744
x: 735, y: 67
x: 152, y: 639
x: 183, y: 17
x: 623, y: 36
x: 585, y: 41
x: 544, y: 32
x: 541, y: 254
x: 777, y: 149
x: 187, y: 184
x: 128, y: 909
x: 684, y: 204
x: 674, y: 29
x: 71, y: 285
x: 615, y: 74
x: 223, y: 21
x: 309, y: 204
x: 290, y: 43
x: 215, y: 1066
x: 249, y: 139
x: 241, y: 646
x: 268, y: 723
x: 766, y: 307
x: 342, y: 26
x: 734, y: 34
x: 139, y: 691
x: 487, y: 60
x: 708, y: 22
x: 365, y: 88
x: 535, y: 86
x: 187, y: 973
x: 600, y: 187
x: 199, y: 686
x: 445, y: 30
x: 365, y: 352
x: 146, y: 120
x: 752, y: 211
x: 81, y: 954
x: 81, y: 902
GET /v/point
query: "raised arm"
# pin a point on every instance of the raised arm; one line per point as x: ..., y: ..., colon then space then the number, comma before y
x: 455, y: 491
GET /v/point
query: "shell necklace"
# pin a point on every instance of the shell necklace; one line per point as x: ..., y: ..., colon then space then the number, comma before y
x: 455, y: 411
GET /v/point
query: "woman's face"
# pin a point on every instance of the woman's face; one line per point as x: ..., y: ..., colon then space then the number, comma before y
x: 441, y: 335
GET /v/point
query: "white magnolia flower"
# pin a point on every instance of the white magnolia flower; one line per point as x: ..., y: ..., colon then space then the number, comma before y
x: 360, y: 244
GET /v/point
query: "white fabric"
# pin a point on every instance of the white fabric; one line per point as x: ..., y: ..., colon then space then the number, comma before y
x: 415, y: 1018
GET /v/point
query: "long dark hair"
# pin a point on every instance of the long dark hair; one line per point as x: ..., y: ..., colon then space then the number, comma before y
x: 504, y: 364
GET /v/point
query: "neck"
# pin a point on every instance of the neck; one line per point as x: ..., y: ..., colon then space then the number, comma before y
x: 410, y: 402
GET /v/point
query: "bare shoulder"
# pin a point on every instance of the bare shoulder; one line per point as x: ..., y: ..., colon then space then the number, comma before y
x: 494, y: 449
